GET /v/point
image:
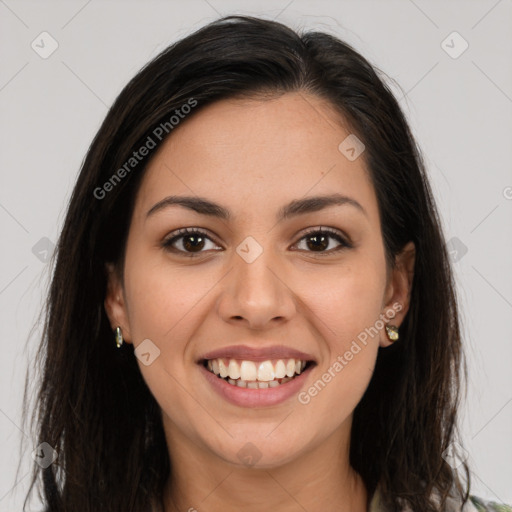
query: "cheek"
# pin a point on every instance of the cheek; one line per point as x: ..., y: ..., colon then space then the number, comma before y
x: 164, y: 299
x: 166, y: 304
x: 347, y: 304
x: 347, y: 299
x: 347, y: 307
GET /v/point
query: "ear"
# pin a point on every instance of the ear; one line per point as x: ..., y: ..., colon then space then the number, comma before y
x: 398, y: 290
x: 115, y: 304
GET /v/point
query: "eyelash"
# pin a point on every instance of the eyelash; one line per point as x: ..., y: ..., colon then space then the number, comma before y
x: 183, y: 232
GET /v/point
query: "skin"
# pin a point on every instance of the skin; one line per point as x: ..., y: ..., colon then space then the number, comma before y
x: 253, y: 157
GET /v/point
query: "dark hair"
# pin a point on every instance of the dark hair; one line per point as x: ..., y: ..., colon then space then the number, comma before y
x: 93, y: 405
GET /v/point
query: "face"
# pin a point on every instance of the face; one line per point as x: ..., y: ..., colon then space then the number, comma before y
x: 311, y: 280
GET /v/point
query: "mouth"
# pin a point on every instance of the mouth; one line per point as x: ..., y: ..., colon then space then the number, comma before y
x: 249, y: 374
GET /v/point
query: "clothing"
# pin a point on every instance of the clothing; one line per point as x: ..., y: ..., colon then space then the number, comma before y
x: 474, y: 504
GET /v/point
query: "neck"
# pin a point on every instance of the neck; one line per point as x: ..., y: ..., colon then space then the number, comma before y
x: 313, y: 480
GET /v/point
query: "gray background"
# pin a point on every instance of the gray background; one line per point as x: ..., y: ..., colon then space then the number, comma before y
x: 459, y: 108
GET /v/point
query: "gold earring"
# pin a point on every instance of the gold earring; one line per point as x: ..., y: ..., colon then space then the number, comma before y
x: 119, y: 337
x: 392, y: 332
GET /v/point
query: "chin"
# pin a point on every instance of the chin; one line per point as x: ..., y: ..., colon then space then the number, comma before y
x: 258, y: 452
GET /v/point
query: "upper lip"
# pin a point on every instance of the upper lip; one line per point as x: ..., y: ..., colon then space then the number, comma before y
x: 257, y: 353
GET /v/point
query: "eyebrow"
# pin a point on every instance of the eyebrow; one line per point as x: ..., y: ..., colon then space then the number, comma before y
x: 296, y: 207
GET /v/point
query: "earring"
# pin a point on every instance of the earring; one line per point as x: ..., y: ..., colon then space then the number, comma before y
x: 392, y: 332
x: 119, y: 337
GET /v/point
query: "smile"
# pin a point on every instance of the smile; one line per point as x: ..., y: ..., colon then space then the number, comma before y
x: 248, y: 383
x: 256, y: 375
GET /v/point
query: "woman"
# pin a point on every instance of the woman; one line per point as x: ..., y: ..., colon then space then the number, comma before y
x: 252, y: 305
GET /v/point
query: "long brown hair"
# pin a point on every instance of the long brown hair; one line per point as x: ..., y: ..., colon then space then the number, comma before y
x: 93, y: 406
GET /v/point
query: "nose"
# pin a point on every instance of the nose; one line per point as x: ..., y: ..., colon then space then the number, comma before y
x: 256, y: 294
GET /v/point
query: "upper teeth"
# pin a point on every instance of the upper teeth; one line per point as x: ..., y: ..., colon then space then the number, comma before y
x: 251, y: 371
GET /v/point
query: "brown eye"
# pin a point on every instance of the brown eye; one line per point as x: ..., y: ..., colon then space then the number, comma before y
x: 318, y: 240
x: 187, y: 241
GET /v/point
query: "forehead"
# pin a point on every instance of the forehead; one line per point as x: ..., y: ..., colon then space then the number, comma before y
x: 256, y: 152
x: 275, y: 124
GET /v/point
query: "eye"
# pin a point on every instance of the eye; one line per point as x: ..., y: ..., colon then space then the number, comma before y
x: 191, y: 241
x: 317, y: 239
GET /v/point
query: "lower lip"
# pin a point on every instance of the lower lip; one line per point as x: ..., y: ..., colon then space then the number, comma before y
x: 246, y: 397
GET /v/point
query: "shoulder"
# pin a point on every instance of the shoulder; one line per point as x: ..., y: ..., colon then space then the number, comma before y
x: 481, y: 505
x: 474, y: 504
